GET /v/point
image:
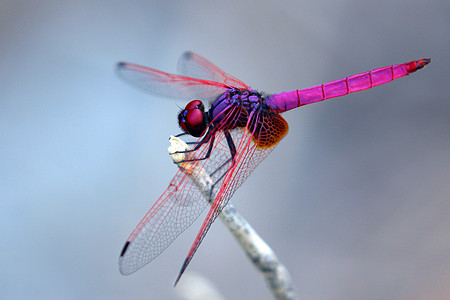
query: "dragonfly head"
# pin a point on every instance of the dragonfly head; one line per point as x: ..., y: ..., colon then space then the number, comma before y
x: 192, y: 118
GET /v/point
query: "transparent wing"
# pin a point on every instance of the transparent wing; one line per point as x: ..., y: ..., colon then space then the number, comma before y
x: 254, y: 143
x: 177, y: 208
x: 183, y: 201
x: 193, y: 65
x: 170, y: 85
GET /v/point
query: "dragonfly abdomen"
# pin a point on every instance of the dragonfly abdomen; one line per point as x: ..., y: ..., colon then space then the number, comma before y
x: 288, y: 100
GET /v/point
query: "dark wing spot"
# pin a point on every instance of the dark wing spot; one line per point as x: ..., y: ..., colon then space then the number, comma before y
x: 124, y: 249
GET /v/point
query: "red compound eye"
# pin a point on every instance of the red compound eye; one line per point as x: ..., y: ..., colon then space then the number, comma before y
x: 192, y: 118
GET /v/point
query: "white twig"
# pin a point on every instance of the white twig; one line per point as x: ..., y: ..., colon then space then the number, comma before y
x: 260, y: 254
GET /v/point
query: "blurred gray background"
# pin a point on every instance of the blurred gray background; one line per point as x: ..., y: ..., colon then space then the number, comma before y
x: 355, y: 200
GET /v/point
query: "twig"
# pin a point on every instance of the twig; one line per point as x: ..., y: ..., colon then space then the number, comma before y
x: 260, y: 254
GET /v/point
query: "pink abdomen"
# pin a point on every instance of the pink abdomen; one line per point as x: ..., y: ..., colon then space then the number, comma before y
x: 288, y: 100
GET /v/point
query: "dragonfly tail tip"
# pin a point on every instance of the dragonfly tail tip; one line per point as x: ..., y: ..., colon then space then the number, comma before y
x: 423, y: 62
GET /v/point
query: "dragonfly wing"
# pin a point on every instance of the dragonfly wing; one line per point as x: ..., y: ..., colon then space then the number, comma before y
x: 176, y: 209
x: 193, y: 65
x: 250, y: 152
x: 189, y: 193
x: 170, y: 85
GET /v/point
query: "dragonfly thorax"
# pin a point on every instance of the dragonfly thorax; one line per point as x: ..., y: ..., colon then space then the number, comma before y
x: 233, y: 108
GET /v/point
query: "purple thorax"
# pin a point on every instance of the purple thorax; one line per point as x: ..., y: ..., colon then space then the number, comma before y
x: 235, y: 101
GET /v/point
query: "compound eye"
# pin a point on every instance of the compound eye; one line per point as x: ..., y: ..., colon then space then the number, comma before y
x: 195, y: 122
x: 192, y: 118
x: 194, y: 104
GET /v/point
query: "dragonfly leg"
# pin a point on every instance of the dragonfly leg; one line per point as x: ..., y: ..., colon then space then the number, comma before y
x: 232, y: 152
x: 219, y: 179
x: 207, y: 138
x: 208, y: 153
x: 220, y: 168
x: 231, y: 159
x: 181, y: 134
x: 230, y: 144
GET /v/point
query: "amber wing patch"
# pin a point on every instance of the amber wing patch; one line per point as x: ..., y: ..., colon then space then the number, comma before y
x: 267, y: 130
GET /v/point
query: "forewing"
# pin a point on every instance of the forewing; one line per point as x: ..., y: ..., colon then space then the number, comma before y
x: 175, y: 210
x: 170, y: 85
x: 197, y: 182
x: 178, y: 207
x: 248, y: 155
x: 193, y: 65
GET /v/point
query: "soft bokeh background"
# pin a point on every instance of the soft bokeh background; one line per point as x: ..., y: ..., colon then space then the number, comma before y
x: 355, y: 200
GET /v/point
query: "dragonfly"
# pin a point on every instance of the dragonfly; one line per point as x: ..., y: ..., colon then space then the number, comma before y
x: 240, y: 128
